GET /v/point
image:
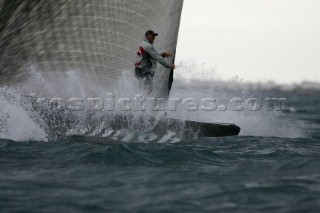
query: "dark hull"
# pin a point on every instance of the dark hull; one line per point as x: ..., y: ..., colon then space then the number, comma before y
x: 184, y: 129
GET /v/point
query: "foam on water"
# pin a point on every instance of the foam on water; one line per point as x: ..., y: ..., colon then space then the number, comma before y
x: 15, y: 121
x: 198, y: 82
x: 20, y: 122
x: 252, y: 123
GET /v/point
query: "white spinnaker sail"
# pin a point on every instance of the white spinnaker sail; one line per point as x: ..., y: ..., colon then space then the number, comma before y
x: 98, y: 38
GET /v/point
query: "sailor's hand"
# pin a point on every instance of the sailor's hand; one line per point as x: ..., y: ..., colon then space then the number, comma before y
x: 173, y: 66
x: 166, y: 55
x: 169, y: 54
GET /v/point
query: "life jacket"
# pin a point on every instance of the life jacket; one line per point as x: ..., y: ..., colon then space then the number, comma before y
x: 145, y: 63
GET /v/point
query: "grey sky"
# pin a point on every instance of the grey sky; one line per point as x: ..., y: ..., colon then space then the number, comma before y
x: 257, y: 40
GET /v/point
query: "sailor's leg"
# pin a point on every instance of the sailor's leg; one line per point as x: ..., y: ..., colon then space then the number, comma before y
x: 146, y: 85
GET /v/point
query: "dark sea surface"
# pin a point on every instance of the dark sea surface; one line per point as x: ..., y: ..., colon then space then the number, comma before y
x: 231, y: 174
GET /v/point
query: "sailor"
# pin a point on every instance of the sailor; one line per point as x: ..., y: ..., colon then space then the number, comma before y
x: 147, y: 58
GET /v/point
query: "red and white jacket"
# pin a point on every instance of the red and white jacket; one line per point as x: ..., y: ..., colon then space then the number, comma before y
x: 147, y: 58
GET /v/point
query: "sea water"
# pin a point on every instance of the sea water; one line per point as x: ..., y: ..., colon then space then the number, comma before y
x: 273, y: 166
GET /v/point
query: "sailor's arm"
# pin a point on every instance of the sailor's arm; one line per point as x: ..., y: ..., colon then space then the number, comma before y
x: 158, y: 57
